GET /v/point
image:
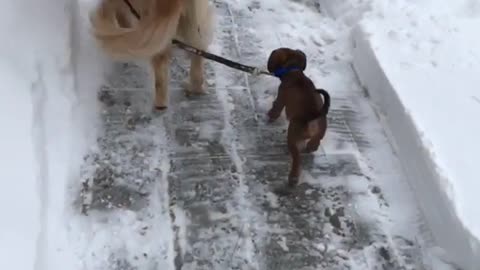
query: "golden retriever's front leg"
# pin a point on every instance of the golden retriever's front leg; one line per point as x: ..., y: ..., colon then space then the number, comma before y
x: 160, y: 64
x: 196, y: 75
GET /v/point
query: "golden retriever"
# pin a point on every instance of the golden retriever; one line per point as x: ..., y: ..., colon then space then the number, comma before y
x: 124, y: 36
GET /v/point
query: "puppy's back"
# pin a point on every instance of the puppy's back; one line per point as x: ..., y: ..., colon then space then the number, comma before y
x: 302, y: 98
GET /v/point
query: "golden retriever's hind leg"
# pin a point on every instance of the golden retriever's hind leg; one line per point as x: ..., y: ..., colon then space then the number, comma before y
x: 196, y: 75
x: 160, y: 64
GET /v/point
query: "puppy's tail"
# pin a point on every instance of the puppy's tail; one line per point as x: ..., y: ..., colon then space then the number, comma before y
x: 123, y: 35
x: 326, y: 103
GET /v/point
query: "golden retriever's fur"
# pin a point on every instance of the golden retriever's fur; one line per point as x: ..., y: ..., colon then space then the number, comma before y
x: 124, y: 36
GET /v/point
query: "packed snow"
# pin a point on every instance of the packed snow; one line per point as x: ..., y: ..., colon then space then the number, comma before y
x: 90, y: 185
x: 50, y: 73
x: 420, y: 63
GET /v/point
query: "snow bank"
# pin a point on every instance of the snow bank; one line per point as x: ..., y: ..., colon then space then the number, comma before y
x: 50, y: 73
x: 420, y: 64
x: 346, y: 11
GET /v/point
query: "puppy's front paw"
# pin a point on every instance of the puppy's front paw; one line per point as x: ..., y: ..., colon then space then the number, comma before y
x: 292, y: 181
x: 283, y: 190
x: 272, y: 116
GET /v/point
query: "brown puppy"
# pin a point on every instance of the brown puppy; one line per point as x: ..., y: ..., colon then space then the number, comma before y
x: 304, y: 107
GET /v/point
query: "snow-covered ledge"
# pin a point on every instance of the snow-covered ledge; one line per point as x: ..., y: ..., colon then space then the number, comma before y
x: 438, y: 195
x: 50, y: 70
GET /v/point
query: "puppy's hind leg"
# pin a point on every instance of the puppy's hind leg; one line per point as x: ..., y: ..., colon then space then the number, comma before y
x: 293, y: 137
x: 160, y: 64
x: 314, y: 142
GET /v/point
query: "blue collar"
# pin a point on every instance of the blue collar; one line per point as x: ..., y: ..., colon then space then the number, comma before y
x: 282, y: 71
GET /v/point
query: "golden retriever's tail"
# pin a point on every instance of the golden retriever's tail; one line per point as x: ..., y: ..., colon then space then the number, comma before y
x: 124, y: 36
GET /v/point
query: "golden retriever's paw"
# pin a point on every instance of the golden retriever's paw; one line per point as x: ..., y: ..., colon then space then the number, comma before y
x: 157, y: 112
x: 160, y: 105
x: 160, y: 108
x: 160, y: 101
x: 194, y: 89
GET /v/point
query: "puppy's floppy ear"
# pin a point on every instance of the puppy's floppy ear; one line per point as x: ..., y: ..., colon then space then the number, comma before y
x: 276, y: 59
x: 296, y: 59
x: 300, y: 59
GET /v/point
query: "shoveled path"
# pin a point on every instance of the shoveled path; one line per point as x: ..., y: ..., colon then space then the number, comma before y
x: 200, y: 178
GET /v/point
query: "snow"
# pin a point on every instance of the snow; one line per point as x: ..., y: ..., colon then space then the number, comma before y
x: 48, y: 118
x: 18, y: 231
x: 329, y: 59
x: 51, y: 71
x: 419, y: 62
